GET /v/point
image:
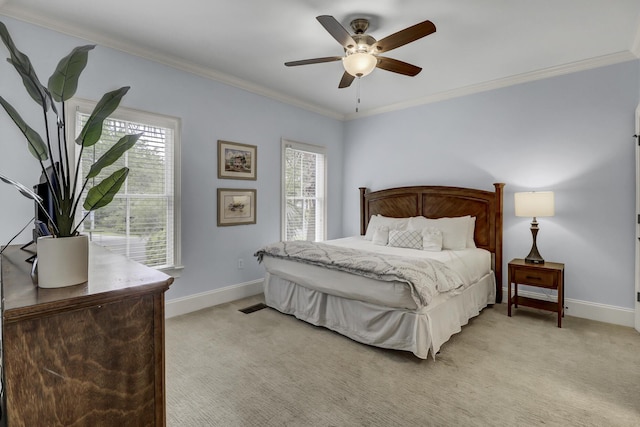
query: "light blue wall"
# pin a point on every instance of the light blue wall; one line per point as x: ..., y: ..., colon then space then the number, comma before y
x: 570, y: 134
x: 209, y: 111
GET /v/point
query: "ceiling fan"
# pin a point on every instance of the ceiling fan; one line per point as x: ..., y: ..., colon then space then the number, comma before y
x: 362, y: 50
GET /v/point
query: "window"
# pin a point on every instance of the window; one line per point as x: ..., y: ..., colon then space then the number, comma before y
x: 303, y: 192
x: 143, y: 220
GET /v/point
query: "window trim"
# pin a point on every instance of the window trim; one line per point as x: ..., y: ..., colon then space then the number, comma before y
x: 129, y: 114
x: 301, y: 146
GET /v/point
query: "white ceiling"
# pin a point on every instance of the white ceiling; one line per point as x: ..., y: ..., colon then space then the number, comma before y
x: 478, y: 45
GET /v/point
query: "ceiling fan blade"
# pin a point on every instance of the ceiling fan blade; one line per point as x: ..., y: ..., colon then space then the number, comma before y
x: 346, y: 80
x: 405, y: 36
x: 337, y: 31
x: 396, y: 66
x: 313, y: 61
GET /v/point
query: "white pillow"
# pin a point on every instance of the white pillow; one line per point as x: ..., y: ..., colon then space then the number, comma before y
x: 405, y: 239
x: 417, y: 223
x: 381, y: 236
x: 374, y: 223
x: 454, y: 231
x: 471, y: 243
x: 378, y: 220
x: 420, y: 222
x: 431, y: 239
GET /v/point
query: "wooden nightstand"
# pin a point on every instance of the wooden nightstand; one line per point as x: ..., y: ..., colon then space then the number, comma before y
x: 548, y: 275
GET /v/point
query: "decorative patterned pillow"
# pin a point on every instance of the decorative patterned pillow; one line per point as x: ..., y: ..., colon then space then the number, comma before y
x: 405, y: 239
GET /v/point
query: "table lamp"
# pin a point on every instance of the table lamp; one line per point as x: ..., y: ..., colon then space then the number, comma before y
x: 534, y: 204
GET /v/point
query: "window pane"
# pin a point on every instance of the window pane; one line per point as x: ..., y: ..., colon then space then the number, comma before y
x: 138, y: 222
x: 303, y: 194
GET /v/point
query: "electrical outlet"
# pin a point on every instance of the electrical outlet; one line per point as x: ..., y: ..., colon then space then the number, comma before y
x: 240, y: 263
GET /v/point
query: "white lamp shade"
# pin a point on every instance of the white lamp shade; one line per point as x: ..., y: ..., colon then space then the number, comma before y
x: 359, y: 64
x: 535, y: 203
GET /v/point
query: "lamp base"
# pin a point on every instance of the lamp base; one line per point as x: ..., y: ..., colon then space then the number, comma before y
x: 530, y: 260
x: 534, y: 256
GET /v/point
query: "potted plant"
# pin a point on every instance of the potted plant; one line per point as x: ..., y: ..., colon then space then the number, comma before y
x: 59, y: 168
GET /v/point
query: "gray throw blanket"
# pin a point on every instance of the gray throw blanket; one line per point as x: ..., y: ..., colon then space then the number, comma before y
x: 425, y: 277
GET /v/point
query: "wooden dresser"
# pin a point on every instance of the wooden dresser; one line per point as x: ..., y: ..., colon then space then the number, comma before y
x: 85, y: 355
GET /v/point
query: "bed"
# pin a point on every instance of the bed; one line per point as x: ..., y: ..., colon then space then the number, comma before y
x: 390, y: 312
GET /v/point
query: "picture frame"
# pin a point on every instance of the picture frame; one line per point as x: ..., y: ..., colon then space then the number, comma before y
x: 236, y: 206
x: 237, y: 161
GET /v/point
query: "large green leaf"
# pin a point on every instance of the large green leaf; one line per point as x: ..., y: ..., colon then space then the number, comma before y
x: 102, y: 194
x: 113, y: 154
x: 64, y: 81
x: 37, y: 146
x: 23, y: 66
x: 92, y: 130
x: 51, y: 103
x: 26, y: 192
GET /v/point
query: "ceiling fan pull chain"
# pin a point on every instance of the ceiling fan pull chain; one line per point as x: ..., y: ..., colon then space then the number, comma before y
x: 357, y: 94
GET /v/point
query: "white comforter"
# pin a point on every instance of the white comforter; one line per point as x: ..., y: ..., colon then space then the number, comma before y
x: 470, y: 264
x: 425, y: 277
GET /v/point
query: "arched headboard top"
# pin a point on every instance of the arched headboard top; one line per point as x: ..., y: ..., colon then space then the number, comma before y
x: 439, y: 202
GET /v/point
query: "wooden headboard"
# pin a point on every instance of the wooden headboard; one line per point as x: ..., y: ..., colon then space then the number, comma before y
x: 437, y: 202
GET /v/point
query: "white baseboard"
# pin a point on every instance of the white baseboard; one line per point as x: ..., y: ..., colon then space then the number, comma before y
x: 586, y: 310
x: 184, y: 305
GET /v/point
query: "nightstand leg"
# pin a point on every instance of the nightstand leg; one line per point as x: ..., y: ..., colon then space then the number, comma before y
x: 559, y: 316
x: 562, y: 293
x: 560, y: 300
x: 509, y: 298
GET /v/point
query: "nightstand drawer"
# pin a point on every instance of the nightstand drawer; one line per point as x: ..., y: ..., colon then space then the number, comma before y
x: 536, y: 277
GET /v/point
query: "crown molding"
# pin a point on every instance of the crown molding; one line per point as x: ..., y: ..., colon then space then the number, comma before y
x: 587, y: 64
x: 559, y: 70
x: 167, y: 60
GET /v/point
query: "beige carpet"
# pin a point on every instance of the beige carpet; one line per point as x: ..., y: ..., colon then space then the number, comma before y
x: 227, y: 368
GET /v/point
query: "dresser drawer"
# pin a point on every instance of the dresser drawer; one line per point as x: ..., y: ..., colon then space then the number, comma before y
x: 535, y: 277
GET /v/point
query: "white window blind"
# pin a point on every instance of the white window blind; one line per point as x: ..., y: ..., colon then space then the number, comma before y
x: 142, y: 221
x: 304, y: 191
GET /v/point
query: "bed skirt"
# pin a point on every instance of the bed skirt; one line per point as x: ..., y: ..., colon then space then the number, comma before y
x: 417, y: 331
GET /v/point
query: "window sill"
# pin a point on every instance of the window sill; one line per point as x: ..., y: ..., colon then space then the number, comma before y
x: 174, y: 271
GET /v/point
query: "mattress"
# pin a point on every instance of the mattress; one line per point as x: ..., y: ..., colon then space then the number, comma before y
x: 472, y: 264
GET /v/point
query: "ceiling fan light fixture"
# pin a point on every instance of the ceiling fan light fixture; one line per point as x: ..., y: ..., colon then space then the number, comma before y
x: 359, y: 64
x: 361, y: 49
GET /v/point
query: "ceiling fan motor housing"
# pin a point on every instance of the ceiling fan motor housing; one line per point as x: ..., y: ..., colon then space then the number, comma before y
x: 359, y: 25
x: 364, y: 44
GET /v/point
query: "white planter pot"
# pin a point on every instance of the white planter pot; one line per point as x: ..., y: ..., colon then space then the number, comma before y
x: 62, y: 261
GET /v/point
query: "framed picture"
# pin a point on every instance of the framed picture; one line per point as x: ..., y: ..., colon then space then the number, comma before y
x: 237, y: 161
x: 236, y: 206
